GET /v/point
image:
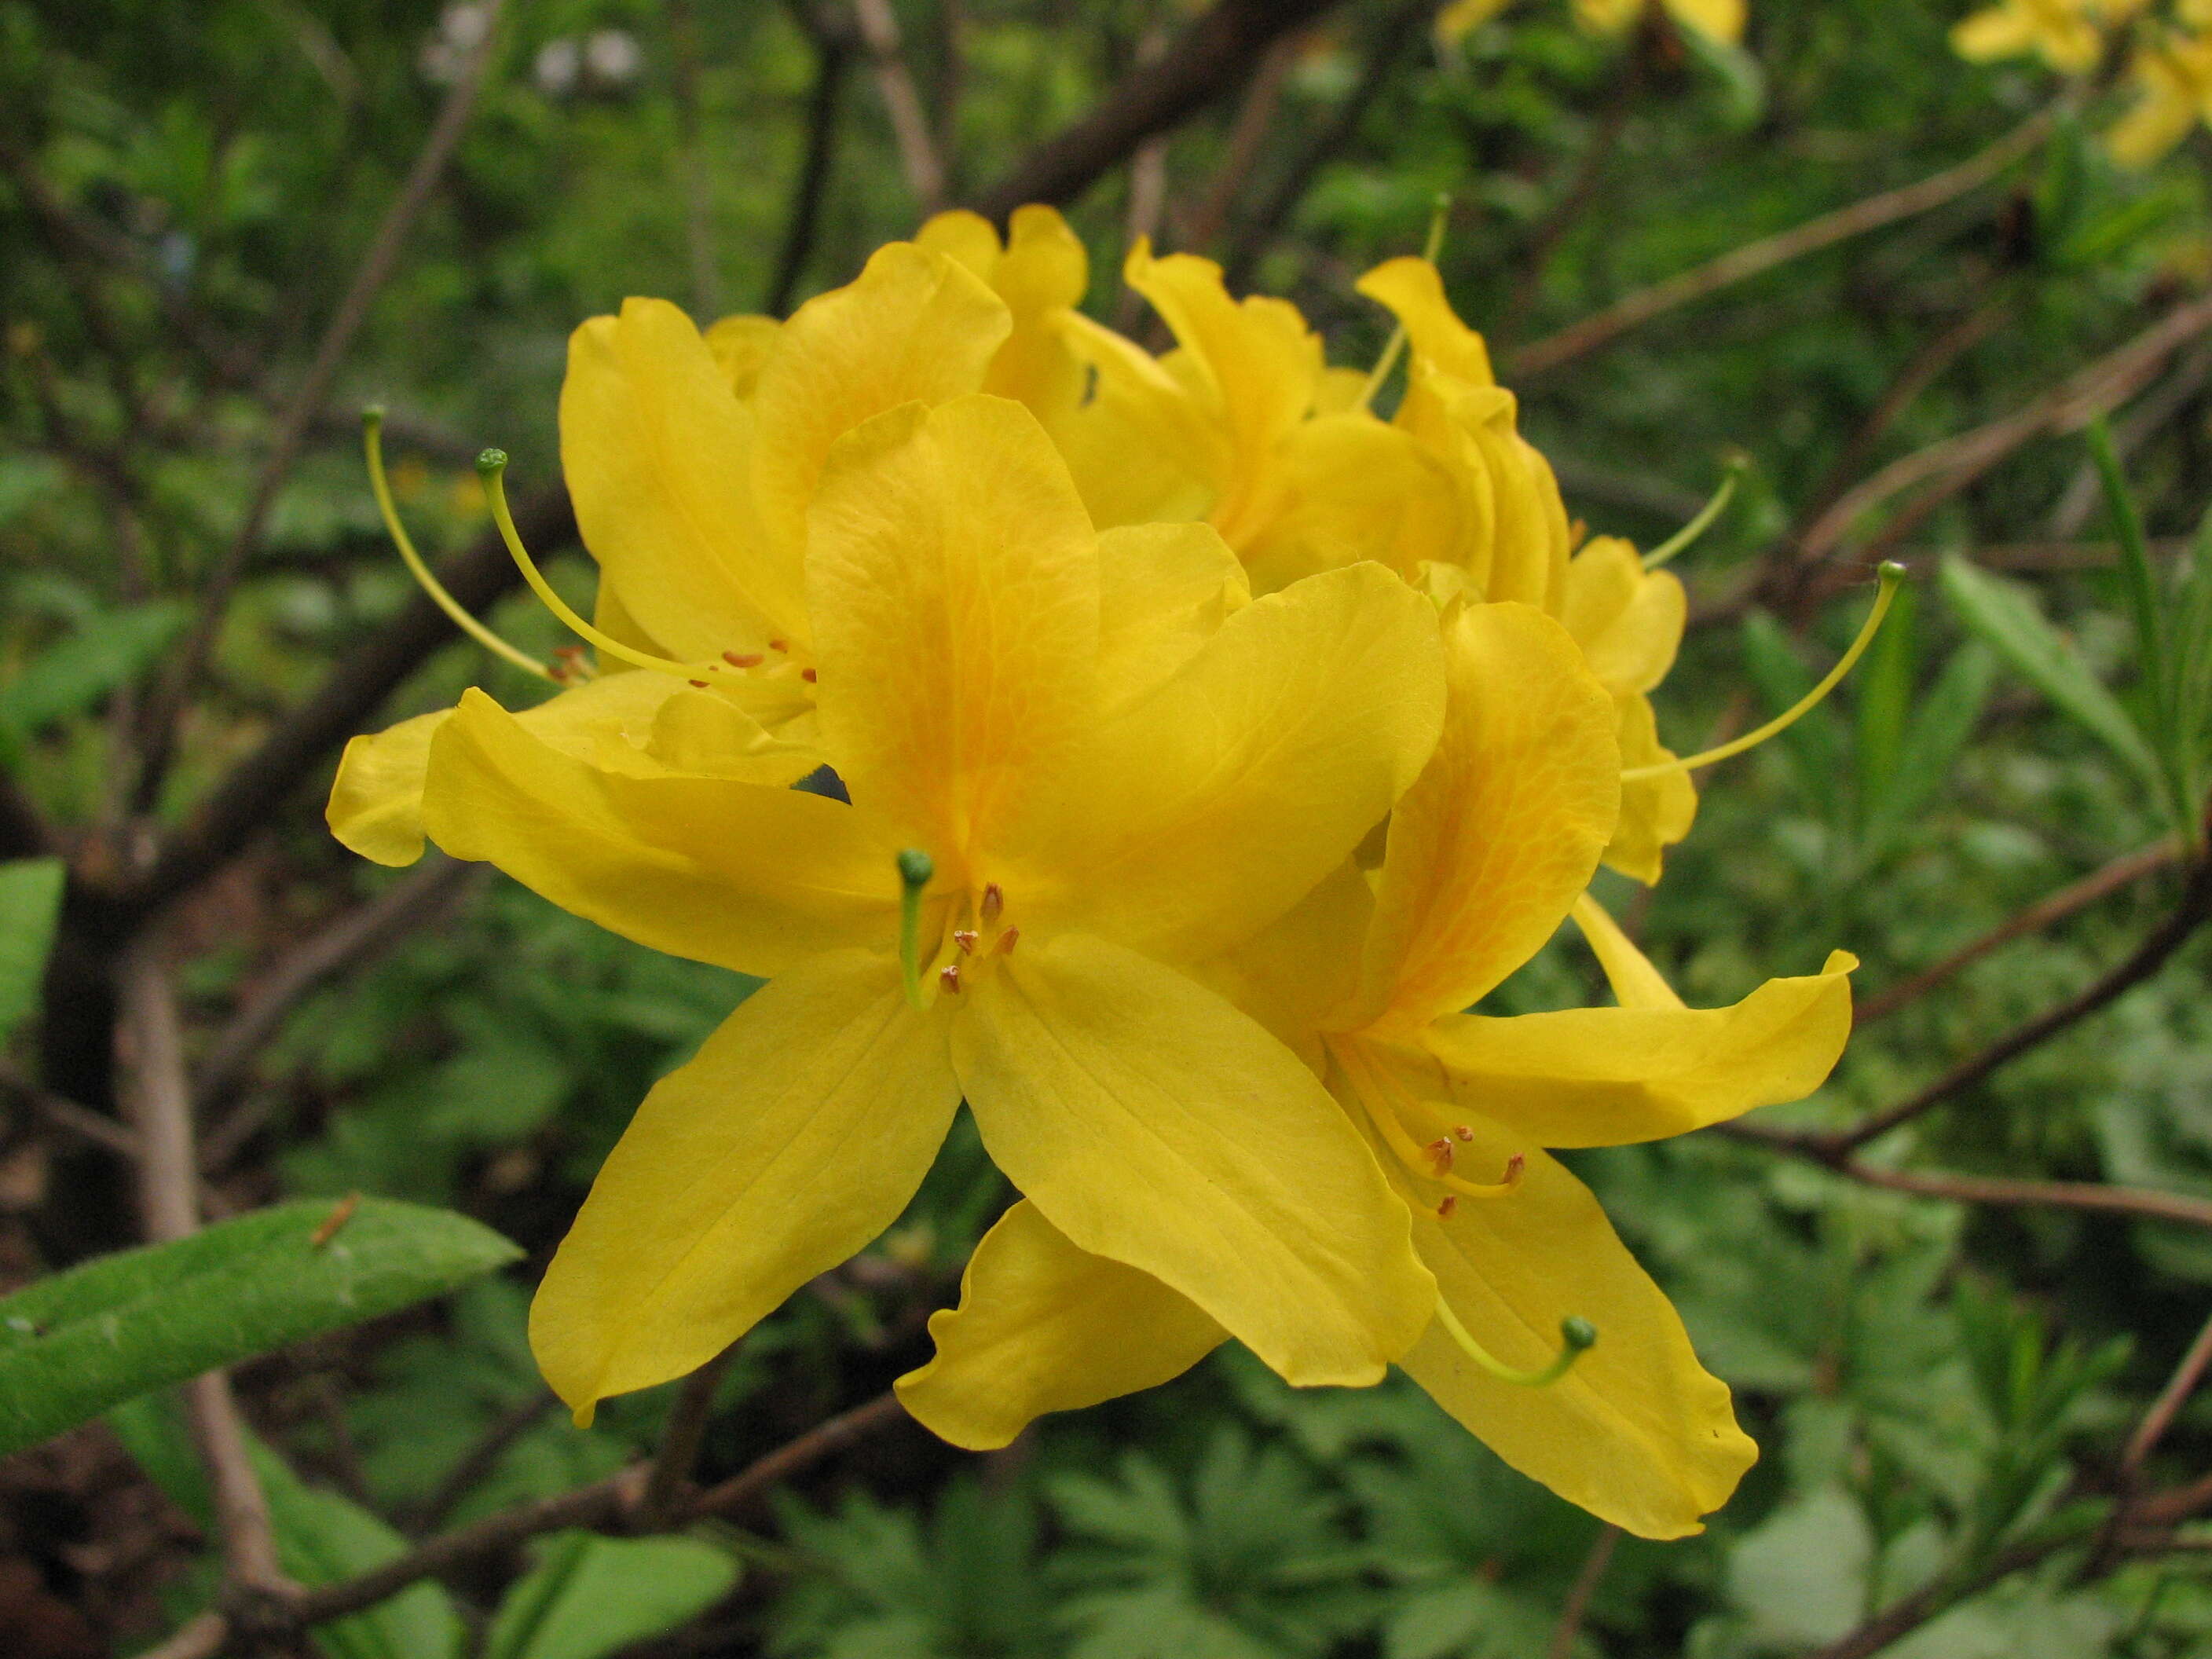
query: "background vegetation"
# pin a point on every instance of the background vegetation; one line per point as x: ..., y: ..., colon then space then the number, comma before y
x: 1958, y: 1294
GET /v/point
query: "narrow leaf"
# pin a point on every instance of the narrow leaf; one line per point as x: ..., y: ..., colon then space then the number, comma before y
x: 68, y: 678
x: 1815, y: 743
x: 75, y: 1343
x: 590, y: 1596
x: 2139, y: 583
x: 2008, y: 616
x: 30, y: 899
x: 1934, y: 738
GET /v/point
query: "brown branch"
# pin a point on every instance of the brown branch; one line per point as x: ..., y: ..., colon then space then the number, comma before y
x: 1924, y: 1605
x: 2160, y: 1418
x: 1755, y: 258
x: 149, y: 1042
x: 2123, y: 871
x: 833, y: 57
x: 166, y: 708
x: 670, y: 1478
x: 824, y: 1440
x: 64, y: 1114
x: 1213, y: 55
x: 917, y: 147
x: 358, y: 936
x: 482, y: 1457
x: 1577, y: 1609
x: 242, y: 803
x: 201, y: 1637
x: 1254, y: 117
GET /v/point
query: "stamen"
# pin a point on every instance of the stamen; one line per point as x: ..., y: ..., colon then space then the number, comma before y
x: 1440, y: 1155
x: 915, y: 867
x: 949, y: 976
x: 1463, y: 1131
x: 1439, y: 216
x: 1891, y: 575
x: 808, y: 674
x: 570, y: 665
x: 491, y: 467
x: 1682, y: 540
x: 1007, y: 939
x: 778, y: 645
x: 372, y: 435
x: 1577, y: 1335
x: 746, y: 660
x: 965, y: 938
x: 702, y: 685
x: 993, y: 902
x: 1446, y: 1205
x: 1425, y: 1160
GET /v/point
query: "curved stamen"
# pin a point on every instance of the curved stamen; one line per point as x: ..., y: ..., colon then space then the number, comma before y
x: 1577, y: 1335
x: 915, y: 867
x: 1891, y: 575
x: 491, y: 467
x: 1426, y: 1161
x: 1439, y: 215
x: 1682, y: 538
x: 372, y: 437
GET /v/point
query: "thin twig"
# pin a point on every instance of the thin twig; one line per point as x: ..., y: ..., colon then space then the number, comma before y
x: 167, y: 705
x: 833, y: 57
x: 482, y: 1458
x: 917, y: 147
x: 1570, y: 1627
x: 665, y: 1488
x: 66, y: 1114
x: 149, y: 1041
x: 1213, y: 55
x: 1246, y: 136
x: 2172, y: 1398
x: 201, y: 1637
x: 2123, y: 871
x: 822, y: 1441
x: 2084, y: 492
x: 1754, y: 259
x: 355, y: 938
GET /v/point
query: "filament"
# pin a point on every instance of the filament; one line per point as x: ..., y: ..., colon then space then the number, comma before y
x: 1577, y: 1335
x: 372, y: 437
x: 1382, y: 1114
x: 915, y: 867
x: 1682, y: 539
x: 1439, y: 215
x: 1891, y: 575
x: 491, y: 466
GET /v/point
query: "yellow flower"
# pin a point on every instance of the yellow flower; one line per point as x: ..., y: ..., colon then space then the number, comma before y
x: 1717, y: 20
x: 1114, y: 767
x: 1486, y: 854
x: 2173, y: 92
x: 2065, y: 33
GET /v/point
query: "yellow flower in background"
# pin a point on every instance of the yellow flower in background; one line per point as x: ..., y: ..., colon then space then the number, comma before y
x: 2173, y: 77
x: 1094, y: 767
x: 1717, y: 20
x: 2065, y: 33
x: 1486, y: 854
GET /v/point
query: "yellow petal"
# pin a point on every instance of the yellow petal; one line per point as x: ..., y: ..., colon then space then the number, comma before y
x: 741, y: 345
x: 1299, y: 970
x: 1639, y: 1433
x: 954, y: 579
x: 1218, y: 803
x: 1636, y: 983
x: 1143, y: 449
x: 1655, y: 812
x: 702, y: 734
x: 1044, y: 1326
x: 1153, y: 1124
x: 1606, y: 1077
x: 751, y: 876
x: 1353, y: 488
x: 376, y: 802
x: 1607, y: 16
x: 1627, y: 620
x: 1717, y: 20
x: 1413, y: 290
x: 914, y: 328
x: 964, y: 236
x: 656, y: 446
x: 1488, y: 850
x: 1461, y: 17
x: 1041, y: 277
x: 1163, y: 591
x: 796, y: 1136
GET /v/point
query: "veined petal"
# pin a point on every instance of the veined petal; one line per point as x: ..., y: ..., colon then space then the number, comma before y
x: 1655, y: 812
x: 1488, y: 850
x: 376, y: 802
x: 656, y: 447
x: 1627, y: 620
x: 954, y: 579
x: 1216, y: 803
x: 1606, y: 1077
x: 1041, y: 274
x: 1638, y: 1432
x: 1151, y: 1123
x: 796, y: 1136
x: 1163, y: 591
x: 1045, y: 1327
x: 747, y: 875
x: 916, y: 327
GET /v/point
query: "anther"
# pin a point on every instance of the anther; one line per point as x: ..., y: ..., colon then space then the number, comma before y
x: 965, y: 938
x: 993, y: 902
x: 808, y: 674
x: 702, y: 685
x: 1446, y: 1205
x: 743, y: 659
x: 778, y: 645
x: 949, y: 976
x: 1463, y: 1133
x: 1007, y: 941
x: 1440, y: 1153
x: 1514, y: 1167
x: 915, y: 867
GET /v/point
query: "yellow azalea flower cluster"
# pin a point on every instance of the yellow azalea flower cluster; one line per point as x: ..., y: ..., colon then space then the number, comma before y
x: 1208, y: 744
x: 2171, y: 63
x: 1717, y: 20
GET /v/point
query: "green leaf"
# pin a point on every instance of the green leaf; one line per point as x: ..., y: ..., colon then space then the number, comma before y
x: 30, y: 899
x: 68, y: 678
x: 2006, y: 615
x: 1801, y: 1574
x: 589, y: 1597
x: 80, y: 1341
x: 321, y: 1539
x: 1936, y: 736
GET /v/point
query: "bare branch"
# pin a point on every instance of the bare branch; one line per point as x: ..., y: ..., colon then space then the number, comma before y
x: 2172, y: 1398
x: 1262, y: 99
x: 66, y: 1114
x: 918, y: 157
x: 1213, y: 55
x: 482, y: 1457
x: 1755, y: 258
x: 1570, y: 1627
x: 167, y: 705
x: 678, y: 1455
x: 833, y: 57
